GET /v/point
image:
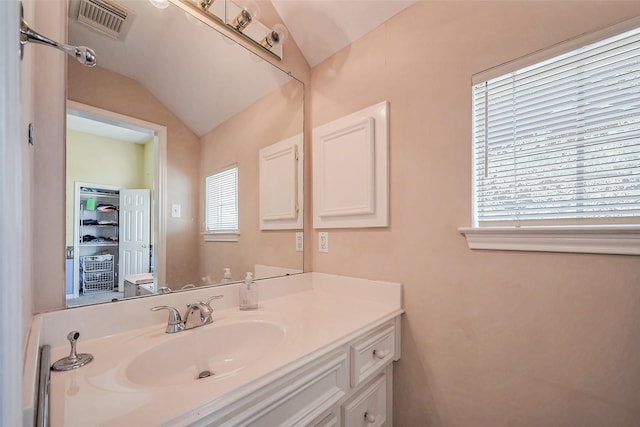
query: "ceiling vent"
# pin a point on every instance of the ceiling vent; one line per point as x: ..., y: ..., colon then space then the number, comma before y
x: 106, y: 17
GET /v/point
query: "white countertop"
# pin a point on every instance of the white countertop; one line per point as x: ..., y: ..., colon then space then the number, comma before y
x: 317, y: 320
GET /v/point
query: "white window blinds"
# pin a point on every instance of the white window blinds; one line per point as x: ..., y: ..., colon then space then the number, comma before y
x: 222, y: 201
x: 558, y: 143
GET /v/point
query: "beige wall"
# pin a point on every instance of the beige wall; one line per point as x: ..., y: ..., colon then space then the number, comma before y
x: 490, y: 338
x: 110, y: 91
x: 276, y: 116
x: 100, y: 160
x: 149, y: 167
x: 47, y: 179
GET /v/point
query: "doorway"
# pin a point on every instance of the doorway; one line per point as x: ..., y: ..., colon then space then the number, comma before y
x: 110, y: 156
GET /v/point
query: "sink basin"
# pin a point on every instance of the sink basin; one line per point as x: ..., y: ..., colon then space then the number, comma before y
x: 206, y: 353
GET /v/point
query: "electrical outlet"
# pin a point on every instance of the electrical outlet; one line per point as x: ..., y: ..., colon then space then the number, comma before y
x: 323, y: 242
x: 299, y: 241
x: 175, y: 211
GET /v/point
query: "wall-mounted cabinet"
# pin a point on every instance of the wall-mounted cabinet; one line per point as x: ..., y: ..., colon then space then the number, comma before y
x: 351, y: 170
x: 281, y: 174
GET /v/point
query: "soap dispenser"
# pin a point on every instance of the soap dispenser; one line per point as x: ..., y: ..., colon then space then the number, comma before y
x: 226, y: 279
x: 248, y: 293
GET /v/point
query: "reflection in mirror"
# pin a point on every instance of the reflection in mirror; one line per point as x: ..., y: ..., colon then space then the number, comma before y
x: 217, y: 104
x: 111, y: 161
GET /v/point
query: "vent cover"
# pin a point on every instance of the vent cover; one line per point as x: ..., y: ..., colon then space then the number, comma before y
x: 107, y: 17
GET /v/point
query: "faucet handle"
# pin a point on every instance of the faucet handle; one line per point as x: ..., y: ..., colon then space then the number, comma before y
x: 204, y: 309
x: 174, y: 323
x: 208, y: 301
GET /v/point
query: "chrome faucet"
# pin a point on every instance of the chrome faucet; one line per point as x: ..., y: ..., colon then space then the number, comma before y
x: 204, y: 310
x: 175, y: 322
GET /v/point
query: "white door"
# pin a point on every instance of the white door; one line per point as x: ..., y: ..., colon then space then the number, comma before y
x: 133, y: 252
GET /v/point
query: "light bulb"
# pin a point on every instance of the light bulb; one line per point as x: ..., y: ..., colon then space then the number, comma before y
x: 278, y: 35
x: 205, y: 4
x: 250, y: 11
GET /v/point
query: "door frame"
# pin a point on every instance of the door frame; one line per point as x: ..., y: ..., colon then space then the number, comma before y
x: 159, y: 192
x: 15, y: 315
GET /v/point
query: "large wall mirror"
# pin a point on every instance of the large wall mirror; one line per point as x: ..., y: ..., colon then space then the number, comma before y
x: 172, y: 104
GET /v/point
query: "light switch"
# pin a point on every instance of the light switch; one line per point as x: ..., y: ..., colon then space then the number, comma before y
x: 323, y: 242
x: 299, y: 241
x: 175, y: 211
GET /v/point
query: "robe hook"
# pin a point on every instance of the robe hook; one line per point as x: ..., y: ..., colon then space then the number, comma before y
x: 83, y: 54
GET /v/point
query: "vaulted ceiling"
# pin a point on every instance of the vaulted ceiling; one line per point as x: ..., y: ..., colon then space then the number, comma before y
x: 202, y: 76
x: 323, y: 27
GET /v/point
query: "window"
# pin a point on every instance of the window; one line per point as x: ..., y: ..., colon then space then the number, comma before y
x: 221, y: 205
x: 557, y: 143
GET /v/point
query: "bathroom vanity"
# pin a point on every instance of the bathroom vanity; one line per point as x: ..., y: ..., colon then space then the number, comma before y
x: 318, y: 351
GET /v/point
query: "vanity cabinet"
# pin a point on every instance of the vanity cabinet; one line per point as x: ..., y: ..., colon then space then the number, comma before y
x: 348, y: 387
x: 318, y: 352
x: 369, y: 406
x: 331, y: 420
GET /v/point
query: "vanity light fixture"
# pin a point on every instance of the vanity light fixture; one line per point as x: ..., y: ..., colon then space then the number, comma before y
x: 278, y: 35
x: 250, y: 11
x: 205, y: 4
x: 160, y: 4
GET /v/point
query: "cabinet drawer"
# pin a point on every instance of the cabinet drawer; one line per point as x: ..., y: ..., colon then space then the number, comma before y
x: 369, y: 407
x: 371, y: 353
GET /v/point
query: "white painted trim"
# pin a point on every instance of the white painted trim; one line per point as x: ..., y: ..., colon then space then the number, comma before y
x: 12, y: 220
x: 160, y: 263
x: 620, y: 240
x: 287, y: 165
x: 160, y: 179
x: 361, y: 136
x: 556, y: 50
x: 220, y: 237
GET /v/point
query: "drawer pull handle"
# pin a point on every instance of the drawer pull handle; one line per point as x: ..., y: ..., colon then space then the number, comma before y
x: 380, y: 354
x: 369, y: 417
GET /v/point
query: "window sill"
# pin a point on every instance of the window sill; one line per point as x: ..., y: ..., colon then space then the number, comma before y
x: 620, y: 240
x: 220, y: 237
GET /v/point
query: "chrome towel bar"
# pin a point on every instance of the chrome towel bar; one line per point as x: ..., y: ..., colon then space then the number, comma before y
x: 44, y: 376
